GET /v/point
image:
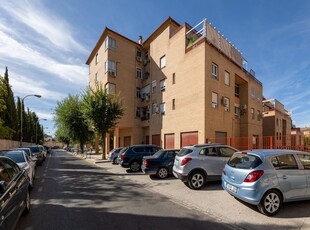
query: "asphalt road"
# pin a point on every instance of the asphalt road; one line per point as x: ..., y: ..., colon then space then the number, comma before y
x: 71, y: 193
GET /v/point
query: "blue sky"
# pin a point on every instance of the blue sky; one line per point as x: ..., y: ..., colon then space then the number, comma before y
x: 45, y: 43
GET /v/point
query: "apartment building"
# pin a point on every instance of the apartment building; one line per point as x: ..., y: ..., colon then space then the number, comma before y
x: 183, y: 85
x: 277, y: 123
x: 297, y: 139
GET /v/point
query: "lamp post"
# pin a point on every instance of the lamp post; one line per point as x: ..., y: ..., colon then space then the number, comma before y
x: 21, y: 116
x: 37, y: 129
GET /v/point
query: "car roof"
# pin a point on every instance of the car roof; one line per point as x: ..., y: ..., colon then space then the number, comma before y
x: 142, y: 145
x: 270, y: 152
x: 207, y: 145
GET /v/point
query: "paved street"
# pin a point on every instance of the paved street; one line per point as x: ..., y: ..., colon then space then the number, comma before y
x: 72, y: 193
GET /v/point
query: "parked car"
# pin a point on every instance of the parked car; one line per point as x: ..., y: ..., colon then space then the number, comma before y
x: 29, y: 153
x: 21, y: 158
x: 160, y: 164
x: 14, y: 193
x: 113, y: 154
x: 44, y: 151
x: 131, y: 157
x: 267, y: 178
x: 38, y: 153
x: 197, y: 164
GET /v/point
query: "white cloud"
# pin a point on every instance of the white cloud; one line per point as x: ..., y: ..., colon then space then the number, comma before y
x: 43, y: 22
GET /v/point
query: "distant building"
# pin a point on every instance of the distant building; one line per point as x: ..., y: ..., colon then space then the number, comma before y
x: 297, y: 139
x: 277, y: 123
x: 180, y: 86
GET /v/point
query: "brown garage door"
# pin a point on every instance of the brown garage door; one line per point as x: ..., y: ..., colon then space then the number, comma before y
x: 169, y: 141
x: 189, y: 138
x: 127, y: 141
x: 156, y: 139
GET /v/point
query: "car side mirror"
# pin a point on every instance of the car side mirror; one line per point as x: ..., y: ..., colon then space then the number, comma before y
x: 2, y: 187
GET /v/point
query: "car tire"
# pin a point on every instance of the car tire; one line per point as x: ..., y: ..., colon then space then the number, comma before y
x: 271, y: 203
x: 115, y: 160
x: 135, y: 166
x: 162, y: 173
x: 27, y: 204
x: 196, y: 180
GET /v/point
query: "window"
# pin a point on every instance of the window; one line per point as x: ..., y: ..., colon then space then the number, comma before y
x: 284, y: 162
x: 237, y: 90
x: 97, y: 59
x: 153, y: 86
x: 162, y: 84
x: 162, y: 62
x: 226, y: 152
x: 162, y: 108
x: 96, y: 78
x: 227, y: 78
x: 139, y: 52
x: 259, y: 115
x: 154, y: 108
x: 110, y: 88
x: 173, y: 78
x: 214, y: 100
x: 215, y: 71
x: 253, y: 113
x: 110, y: 43
x: 237, y: 110
x: 252, y: 92
x: 227, y: 104
x: 138, y: 73
x: 258, y: 96
x: 110, y: 66
x: 173, y: 104
x: 305, y: 160
x: 138, y: 92
x: 211, y: 151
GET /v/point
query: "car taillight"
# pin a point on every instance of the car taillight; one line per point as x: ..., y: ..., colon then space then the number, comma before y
x: 224, y: 171
x: 185, y: 160
x: 254, y: 176
x: 123, y: 156
x: 145, y: 163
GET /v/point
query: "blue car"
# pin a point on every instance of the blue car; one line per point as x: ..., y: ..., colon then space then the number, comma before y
x: 160, y: 164
x: 14, y: 193
x: 267, y: 178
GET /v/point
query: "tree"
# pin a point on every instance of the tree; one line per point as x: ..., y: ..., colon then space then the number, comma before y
x: 69, y: 117
x: 5, y: 131
x: 103, y: 111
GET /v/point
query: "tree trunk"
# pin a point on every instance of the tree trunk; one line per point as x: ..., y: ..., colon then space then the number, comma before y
x: 103, y: 146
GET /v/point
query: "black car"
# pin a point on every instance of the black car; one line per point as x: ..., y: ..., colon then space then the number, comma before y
x: 160, y: 164
x: 131, y: 157
x: 14, y: 193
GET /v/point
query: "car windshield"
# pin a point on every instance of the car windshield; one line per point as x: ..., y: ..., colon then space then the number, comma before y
x: 184, y: 152
x: 158, y: 153
x: 244, y: 161
x: 16, y: 156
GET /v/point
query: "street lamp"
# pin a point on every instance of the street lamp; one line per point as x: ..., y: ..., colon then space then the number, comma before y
x: 37, y: 129
x: 21, y: 116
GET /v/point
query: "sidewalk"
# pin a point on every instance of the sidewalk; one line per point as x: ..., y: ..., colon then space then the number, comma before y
x: 91, y: 157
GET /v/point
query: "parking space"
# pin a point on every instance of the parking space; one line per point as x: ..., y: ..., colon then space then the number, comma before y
x: 216, y: 202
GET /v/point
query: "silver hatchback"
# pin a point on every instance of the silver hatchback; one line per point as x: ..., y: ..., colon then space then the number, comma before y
x: 197, y: 164
x: 267, y: 178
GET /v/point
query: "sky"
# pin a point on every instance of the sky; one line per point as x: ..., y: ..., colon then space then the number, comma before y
x: 45, y: 43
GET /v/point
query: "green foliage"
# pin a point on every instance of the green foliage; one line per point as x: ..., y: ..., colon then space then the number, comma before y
x: 102, y: 110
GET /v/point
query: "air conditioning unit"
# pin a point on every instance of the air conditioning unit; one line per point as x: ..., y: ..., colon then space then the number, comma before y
x: 162, y: 88
x: 145, y: 61
x: 139, y: 59
x: 223, y: 101
x: 147, y: 97
x: 112, y: 73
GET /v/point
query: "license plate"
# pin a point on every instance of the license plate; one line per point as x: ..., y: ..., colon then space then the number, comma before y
x: 231, y: 188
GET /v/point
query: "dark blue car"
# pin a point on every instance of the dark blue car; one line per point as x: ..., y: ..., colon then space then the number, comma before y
x: 160, y: 164
x: 14, y: 193
x: 131, y: 157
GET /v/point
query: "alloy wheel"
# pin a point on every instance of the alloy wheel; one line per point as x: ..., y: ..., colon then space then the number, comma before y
x: 162, y: 173
x: 197, y: 180
x: 135, y: 166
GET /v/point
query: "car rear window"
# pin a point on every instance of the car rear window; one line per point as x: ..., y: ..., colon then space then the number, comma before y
x: 244, y: 161
x: 184, y: 152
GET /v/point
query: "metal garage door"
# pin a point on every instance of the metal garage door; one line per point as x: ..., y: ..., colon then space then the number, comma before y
x: 189, y: 138
x: 156, y: 139
x: 169, y: 141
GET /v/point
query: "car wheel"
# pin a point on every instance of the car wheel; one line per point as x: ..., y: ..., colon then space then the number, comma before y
x: 162, y: 173
x: 135, y: 166
x: 271, y: 203
x: 27, y: 204
x: 115, y: 160
x: 196, y: 180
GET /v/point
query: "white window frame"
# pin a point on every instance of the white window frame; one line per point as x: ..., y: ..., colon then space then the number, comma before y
x: 110, y: 66
x: 111, y: 88
x: 214, y: 100
x: 154, y: 84
x: 110, y: 43
x: 162, y: 108
x: 162, y: 62
x: 162, y: 84
x: 237, y: 110
x: 154, y: 108
x: 215, y: 71
x: 139, y: 73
